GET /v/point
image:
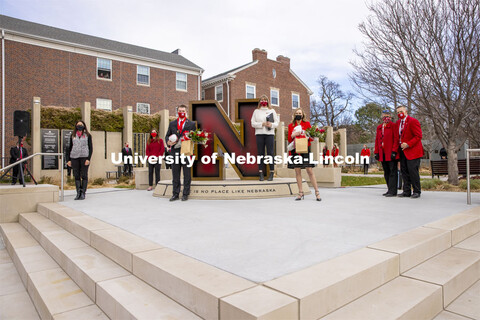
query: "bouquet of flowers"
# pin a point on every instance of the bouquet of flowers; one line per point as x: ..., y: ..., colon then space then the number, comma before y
x: 316, y: 132
x: 198, y: 136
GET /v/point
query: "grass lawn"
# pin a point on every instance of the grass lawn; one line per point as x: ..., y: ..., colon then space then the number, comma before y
x: 349, y: 181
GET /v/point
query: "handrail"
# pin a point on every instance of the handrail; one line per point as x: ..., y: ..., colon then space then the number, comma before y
x: 469, y: 196
x: 41, y: 154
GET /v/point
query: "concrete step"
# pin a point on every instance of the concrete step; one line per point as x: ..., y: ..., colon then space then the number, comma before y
x: 119, y: 294
x: 83, y: 263
x: 401, y: 298
x: 52, y: 291
x: 467, y: 304
x: 332, y: 284
x: 461, y: 225
x: 130, y: 298
x: 454, y: 269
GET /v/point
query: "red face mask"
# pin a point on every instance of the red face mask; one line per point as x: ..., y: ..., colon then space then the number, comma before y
x: 154, y: 134
x: 386, y: 119
x: 181, y: 115
x: 126, y: 146
x: 263, y: 103
x: 401, y: 115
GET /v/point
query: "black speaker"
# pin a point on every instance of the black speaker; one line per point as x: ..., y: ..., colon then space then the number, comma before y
x: 21, y: 123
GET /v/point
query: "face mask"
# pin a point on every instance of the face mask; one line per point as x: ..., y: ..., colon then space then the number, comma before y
x: 181, y: 115
x: 401, y: 115
x: 386, y: 119
x: 298, y: 117
x: 126, y: 146
x: 80, y: 128
x: 153, y: 134
x: 263, y: 103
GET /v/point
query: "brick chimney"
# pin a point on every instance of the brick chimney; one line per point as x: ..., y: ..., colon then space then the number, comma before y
x: 258, y: 54
x: 284, y: 60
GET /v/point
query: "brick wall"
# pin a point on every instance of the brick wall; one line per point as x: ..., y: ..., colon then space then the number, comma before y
x: 64, y: 78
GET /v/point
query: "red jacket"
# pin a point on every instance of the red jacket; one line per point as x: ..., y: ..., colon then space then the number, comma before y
x: 365, y: 152
x: 325, y: 152
x: 387, y: 142
x: 305, y: 125
x: 334, y: 152
x: 411, y: 135
x: 155, y: 148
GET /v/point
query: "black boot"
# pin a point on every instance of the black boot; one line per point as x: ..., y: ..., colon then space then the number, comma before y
x: 261, y: 176
x: 83, y: 190
x: 270, y: 177
x: 78, y: 185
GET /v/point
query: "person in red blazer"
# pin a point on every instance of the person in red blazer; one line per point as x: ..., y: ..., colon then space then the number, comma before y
x: 411, y: 151
x: 386, y: 151
x: 365, y: 153
x: 155, y: 147
x: 334, y: 154
x: 325, y: 154
x: 299, y: 119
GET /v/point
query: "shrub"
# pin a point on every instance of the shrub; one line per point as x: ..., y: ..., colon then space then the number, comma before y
x: 111, y: 121
x: 45, y: 180
x: 143, y: 123
x: 98, y: 182
x: 59, y: 117
x: 124, y: 180
x: 474, y: 185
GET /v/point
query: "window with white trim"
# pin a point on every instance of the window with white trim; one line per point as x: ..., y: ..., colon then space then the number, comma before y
x: 143, y: 75
x: 104, y: 68
x: 219, y: 93
x: 250, y: 90
x: 104, y: 104
x: 203, y: 94
x: 181, y: 81
x: 274, y: 97
x: 143, y: 108
x: 295, y: 100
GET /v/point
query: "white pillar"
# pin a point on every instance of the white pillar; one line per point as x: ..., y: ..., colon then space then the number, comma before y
x: 36, y: 143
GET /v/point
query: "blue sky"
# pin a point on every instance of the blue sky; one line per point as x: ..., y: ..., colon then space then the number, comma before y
x: 318, y: 36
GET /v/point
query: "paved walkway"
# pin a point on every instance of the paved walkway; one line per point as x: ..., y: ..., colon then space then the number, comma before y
x: 264, y: 239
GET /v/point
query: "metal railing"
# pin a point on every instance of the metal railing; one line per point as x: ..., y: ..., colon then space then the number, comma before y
x: 469, y: 195
x: 42, y: 154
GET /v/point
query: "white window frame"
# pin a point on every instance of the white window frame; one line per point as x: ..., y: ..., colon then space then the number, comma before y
x: 221, y: 87
x: 254, y: 90
x: 177, y: 80
x: 99, y: 103
x: 278, y: 97
x: 145, y: 104
x: 148, y: 75
x: 298, y: 95
x: 111, y: 69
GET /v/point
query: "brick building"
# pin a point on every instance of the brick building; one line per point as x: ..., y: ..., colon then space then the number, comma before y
x: 261, y: 76
x: 66, y: 68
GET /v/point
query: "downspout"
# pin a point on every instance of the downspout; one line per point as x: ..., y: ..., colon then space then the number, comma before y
x: 3, y: 98
x: 228, y: 99
x: 199, y: 92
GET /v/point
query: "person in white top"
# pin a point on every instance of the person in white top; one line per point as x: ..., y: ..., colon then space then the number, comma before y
x: 264, y: 120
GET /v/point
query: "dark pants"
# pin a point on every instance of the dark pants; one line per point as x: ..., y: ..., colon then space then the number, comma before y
x: 390, y: 173
x: 16, y: 174
x: 153, y: 167
x: 265, y: 140
x: 410, y: 174
x: 80, y: 170
x: 187, y: 176
x: 127, y: 169
x: 365, y: 168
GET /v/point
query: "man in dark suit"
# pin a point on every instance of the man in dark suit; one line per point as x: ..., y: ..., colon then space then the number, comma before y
x: 17, y: 153
x: 386, y: 151
x: 127, y: 167
x: 178, y: 128
x: 411, y: 151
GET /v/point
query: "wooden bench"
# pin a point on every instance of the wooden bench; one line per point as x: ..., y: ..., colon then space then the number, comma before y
x: 440, y: 167
x: 110, y: 173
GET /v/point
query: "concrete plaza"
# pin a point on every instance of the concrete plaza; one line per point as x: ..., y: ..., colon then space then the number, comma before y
x: 264, y: 239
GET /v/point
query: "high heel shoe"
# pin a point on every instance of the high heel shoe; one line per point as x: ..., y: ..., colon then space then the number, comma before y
x: 300, y: 196
x: 317, y: 196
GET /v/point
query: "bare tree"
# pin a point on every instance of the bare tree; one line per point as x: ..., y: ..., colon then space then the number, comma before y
x: 425, y: 54
x: 333, y: 106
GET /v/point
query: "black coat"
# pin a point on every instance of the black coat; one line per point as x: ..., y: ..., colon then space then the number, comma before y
x: 15, y: 154
x: 125, y: 153
x: 172, y: 128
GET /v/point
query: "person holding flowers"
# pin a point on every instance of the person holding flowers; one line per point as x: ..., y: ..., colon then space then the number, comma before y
x: 264, y: 120
x: 297, y: 129
x: 177, y: 130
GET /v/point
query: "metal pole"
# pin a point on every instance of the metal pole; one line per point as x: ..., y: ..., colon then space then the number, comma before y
x: 3, y: 98
x: 469, y: 196
x: 62, y: 172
